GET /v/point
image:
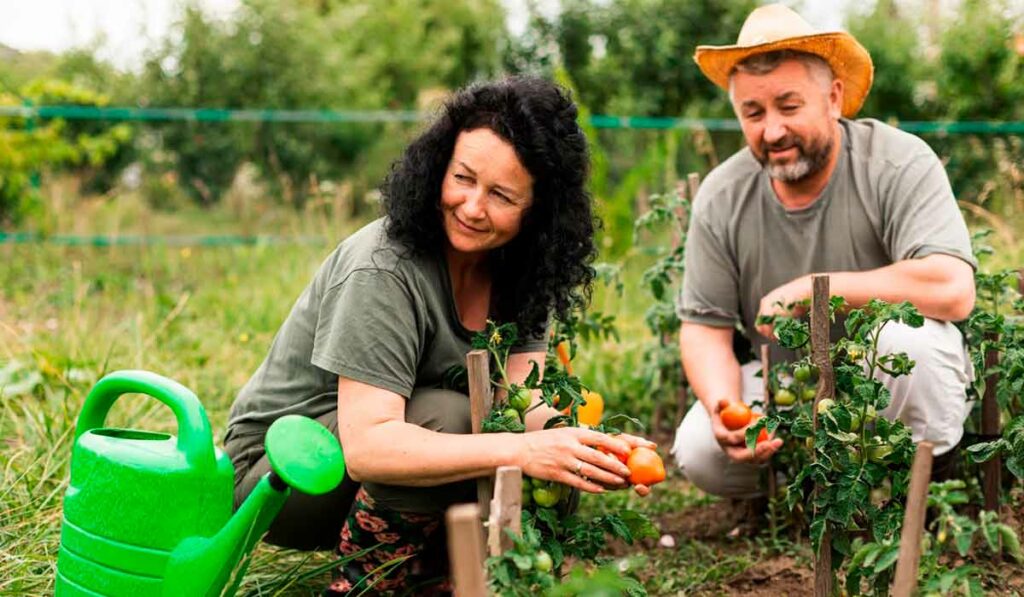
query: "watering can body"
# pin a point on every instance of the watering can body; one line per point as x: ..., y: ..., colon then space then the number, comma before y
x: 151, y: 513
x: 134, y: 496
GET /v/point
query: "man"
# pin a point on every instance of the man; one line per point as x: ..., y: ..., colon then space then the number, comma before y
x: 816, y: 192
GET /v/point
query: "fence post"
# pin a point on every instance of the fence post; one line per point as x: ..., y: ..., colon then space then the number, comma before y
x: 820, y: 344
x: 480, y: 400
x: 466, y: 550
x: 506, y: 509
x: 905, y: 582
x: 992, y: 469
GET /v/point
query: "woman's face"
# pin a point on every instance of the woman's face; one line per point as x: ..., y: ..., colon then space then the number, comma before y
x: 485, y: 193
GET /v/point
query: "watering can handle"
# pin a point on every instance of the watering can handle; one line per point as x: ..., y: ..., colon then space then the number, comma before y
x: 195, y: 437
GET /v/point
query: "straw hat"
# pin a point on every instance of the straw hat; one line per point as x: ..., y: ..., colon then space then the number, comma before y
x: 776, y: 27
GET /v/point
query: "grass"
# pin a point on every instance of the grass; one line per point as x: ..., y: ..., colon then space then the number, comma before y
x: 205, y: 317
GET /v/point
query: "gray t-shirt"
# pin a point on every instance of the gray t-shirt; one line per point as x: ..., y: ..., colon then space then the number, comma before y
x: 373, y: 314
x: 888, y: 200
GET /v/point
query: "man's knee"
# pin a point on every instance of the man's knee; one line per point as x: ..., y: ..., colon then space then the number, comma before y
x: 439, y: 410
x: 934, y: 345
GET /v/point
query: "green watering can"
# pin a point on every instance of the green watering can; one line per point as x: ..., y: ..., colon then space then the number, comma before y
x: 149, y: 513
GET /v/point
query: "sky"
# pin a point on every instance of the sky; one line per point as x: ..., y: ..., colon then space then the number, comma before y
x: 125, y: 28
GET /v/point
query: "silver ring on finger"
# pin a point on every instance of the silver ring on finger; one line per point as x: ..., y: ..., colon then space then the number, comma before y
x: 579, y: 467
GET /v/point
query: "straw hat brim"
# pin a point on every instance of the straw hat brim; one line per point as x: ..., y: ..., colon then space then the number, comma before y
x: 849, y: 60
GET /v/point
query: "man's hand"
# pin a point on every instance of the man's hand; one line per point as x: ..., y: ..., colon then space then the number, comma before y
x: 734, y: 443
x: 775, y: 302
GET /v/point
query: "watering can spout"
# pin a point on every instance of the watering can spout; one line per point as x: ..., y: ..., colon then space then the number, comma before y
x: 303, y: 455
x: 203, y: 565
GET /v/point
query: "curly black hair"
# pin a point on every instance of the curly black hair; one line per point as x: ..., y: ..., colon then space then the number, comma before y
x: 546, y: 269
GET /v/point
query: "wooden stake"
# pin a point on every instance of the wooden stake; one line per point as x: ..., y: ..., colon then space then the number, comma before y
x: 480, y: 401
x: 506, y: 509
x: 693, y: 183
x: 992, y: 469
x: 905, y: 583
x: 820, y: 344
x: 769, y: 399
x: 466, y: 550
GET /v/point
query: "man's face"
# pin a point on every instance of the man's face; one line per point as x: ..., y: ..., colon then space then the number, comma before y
x: 788, y: 118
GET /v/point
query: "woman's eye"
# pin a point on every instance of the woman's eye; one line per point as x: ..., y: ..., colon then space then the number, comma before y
x: 504, y: 198
x: 463, y: 178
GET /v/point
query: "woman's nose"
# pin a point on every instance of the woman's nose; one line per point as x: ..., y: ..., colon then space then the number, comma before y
x: 475, y: 205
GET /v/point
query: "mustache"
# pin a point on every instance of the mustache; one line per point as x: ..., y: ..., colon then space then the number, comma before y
x: 783, y: 143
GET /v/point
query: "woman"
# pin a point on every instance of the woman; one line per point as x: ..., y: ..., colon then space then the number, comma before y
x: 486, y: 217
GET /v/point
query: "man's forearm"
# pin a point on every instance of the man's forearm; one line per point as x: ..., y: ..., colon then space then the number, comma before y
x: 940, y: 288
x: 711, y: 367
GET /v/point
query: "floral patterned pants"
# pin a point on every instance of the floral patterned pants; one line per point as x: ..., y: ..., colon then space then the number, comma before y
x: 403, y: 553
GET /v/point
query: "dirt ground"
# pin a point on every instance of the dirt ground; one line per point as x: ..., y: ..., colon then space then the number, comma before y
x: 787, y: 573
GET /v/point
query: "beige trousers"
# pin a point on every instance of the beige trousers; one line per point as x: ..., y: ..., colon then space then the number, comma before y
x: 932, y: 401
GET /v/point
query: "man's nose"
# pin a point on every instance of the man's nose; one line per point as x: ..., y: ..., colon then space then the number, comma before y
x: 775, y: 130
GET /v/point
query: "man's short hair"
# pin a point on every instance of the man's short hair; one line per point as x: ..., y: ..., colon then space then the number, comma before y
x: 762, y: 64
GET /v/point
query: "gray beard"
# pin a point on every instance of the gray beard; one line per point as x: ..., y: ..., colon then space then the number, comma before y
x: 806, y: 164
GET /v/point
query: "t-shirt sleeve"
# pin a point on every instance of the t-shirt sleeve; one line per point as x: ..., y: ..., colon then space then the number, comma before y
x: 367, y: 330
x: 923, y: 217
x: 710, y: 294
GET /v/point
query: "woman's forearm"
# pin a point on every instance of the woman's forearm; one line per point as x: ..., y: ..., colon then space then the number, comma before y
x: 396, y: 455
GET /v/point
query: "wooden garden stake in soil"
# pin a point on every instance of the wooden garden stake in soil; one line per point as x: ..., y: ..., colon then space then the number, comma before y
x: 905, y: 582
x: 480, y: 399
x: 506, y: 509
x: 466, y: 550
x: 820, y: 344
x: 690, y: 192
x: 992, y: 469
x: 769, y: 399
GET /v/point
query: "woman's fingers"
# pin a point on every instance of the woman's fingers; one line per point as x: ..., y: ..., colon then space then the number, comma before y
x: 573, y: 480
x: 601, y: 467
x: 635, y: 441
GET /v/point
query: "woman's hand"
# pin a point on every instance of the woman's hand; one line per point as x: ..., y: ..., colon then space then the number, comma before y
x: 570, y: 455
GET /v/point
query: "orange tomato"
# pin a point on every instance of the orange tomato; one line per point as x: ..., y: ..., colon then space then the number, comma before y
x: 735, y: 415
x: 645, y: 467
x: 591, y: 412
x: 563, y: 355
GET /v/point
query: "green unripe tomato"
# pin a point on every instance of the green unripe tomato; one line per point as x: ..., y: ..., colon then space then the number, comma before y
x: 785, y: 397
x: 546, y: 497
x: 542, y: 561
x: 520, y: 399
x: 877, y: 453
x: 802, y: 373
x: 809, y: 393
x: 824, y: 405
x: 511, y: 413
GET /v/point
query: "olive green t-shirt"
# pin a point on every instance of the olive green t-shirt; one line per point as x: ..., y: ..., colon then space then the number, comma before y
x: 888, y: 200
x: 374, y: 314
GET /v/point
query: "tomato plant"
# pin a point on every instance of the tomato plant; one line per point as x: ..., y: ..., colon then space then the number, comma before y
x: 552, y: 531
x: 853, y: 469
